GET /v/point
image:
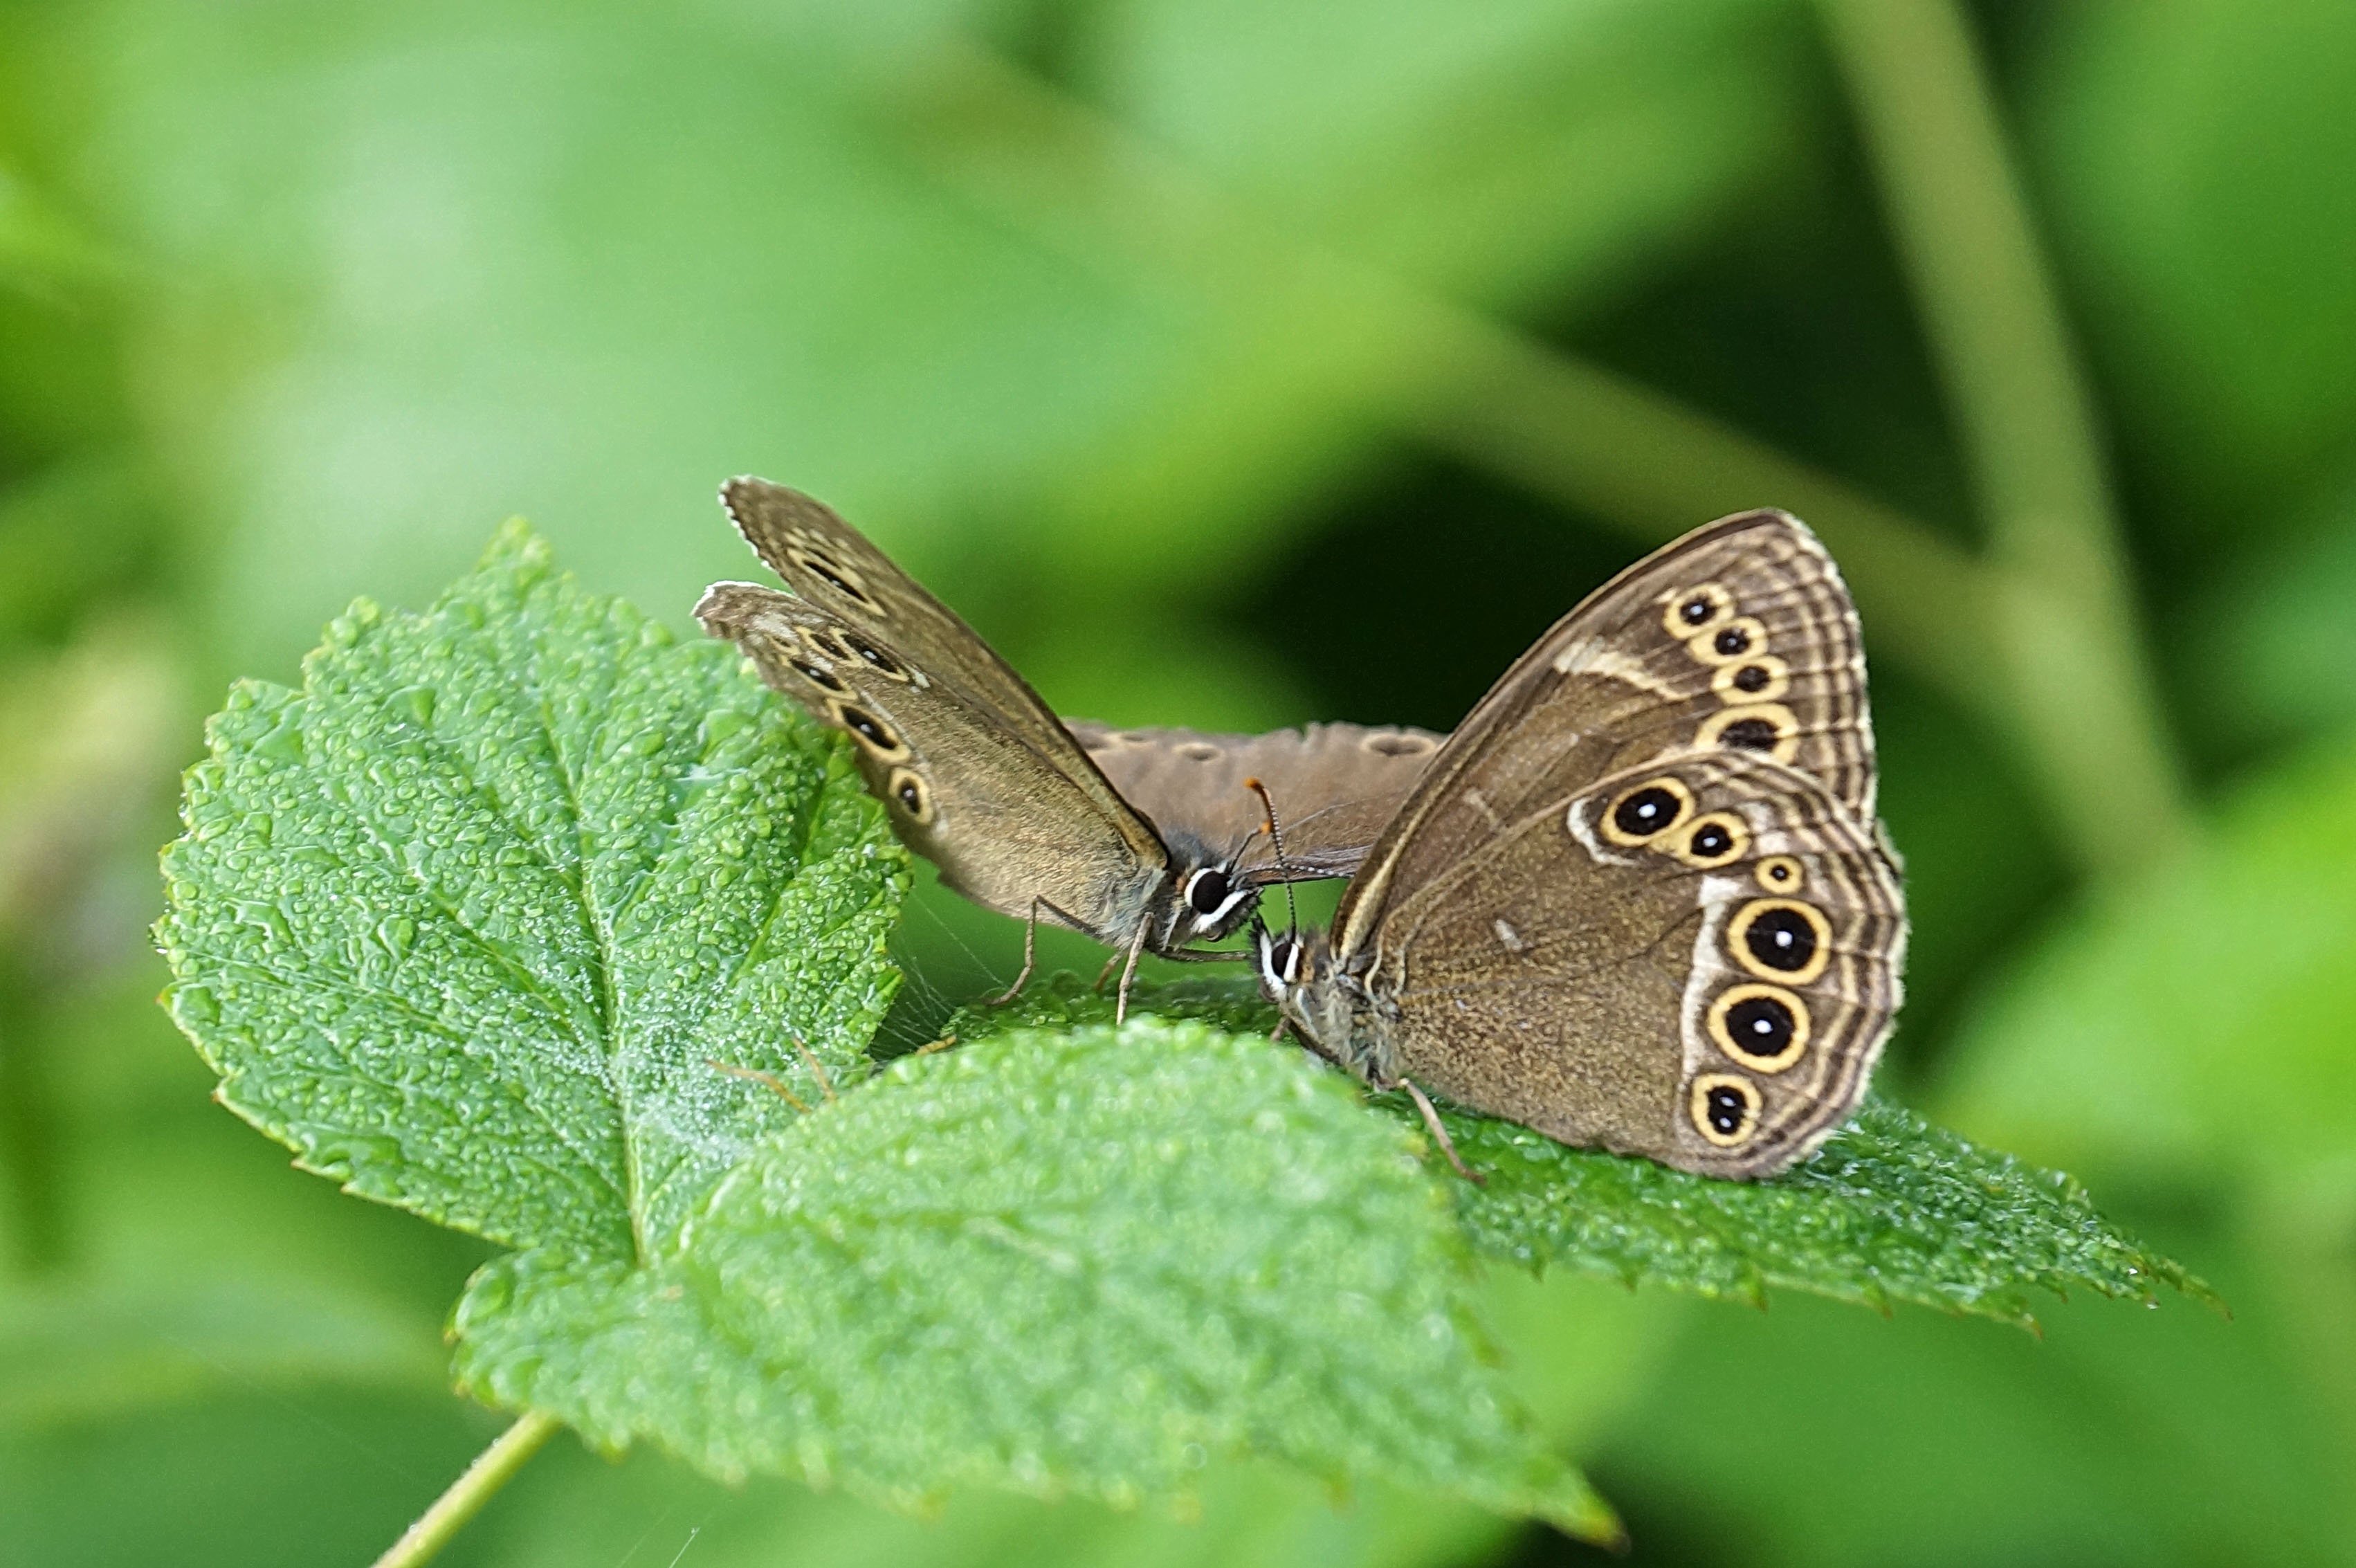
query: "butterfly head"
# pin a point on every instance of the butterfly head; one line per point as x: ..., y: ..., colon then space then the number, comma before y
x: 1214, y: 900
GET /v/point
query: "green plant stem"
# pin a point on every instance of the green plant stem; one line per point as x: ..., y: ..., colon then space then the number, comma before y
x: 2064, y: 615
x: 2066, y: 689
x: 492, y: 1468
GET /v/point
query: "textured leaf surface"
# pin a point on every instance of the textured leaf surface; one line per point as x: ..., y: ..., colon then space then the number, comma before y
x: 1891, y: 1209
x: 1078, y: 1260
x: 466, y: 921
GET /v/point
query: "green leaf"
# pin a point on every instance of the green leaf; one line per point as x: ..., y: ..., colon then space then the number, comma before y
x: 506, y: 917
x: 1891, y: 1209
x: 1084, y: 1261
x: 466, y: 921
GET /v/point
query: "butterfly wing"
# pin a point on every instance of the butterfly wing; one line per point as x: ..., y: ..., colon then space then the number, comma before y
x: 1005, y: 824
x: 1739, y: 636
x: 1697, y: 959
x: 1336, y: 786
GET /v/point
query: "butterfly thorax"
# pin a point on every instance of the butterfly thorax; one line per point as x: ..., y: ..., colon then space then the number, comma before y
x: 1328, y: 1004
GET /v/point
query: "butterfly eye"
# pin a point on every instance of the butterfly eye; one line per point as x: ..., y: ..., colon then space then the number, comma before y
x: 1206, y: 890
x: 1725, y: 1108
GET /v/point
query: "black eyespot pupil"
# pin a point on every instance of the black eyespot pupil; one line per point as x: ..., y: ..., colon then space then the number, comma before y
x: 1209, y: 891
x: 912, y: 795
x: 1779, y: 874
x: 1760, y: 1024
x: 870, y: 728
x: 1753, y: 677
x: 818, y: 677
x: 875, y: 656
x: 1646, y: 812
x: 1751, y: 735
x: 1733, y: 640
x: 1727, y: 1110
x: 1710, y: 841
x: 1695, y: 611
x: 825, y: 568
x: 1782, y: 938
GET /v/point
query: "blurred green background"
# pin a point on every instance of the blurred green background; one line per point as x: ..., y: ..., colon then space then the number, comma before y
x: 1237, y: 364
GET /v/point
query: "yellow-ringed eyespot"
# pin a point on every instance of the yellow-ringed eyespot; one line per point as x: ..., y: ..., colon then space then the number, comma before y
x: 871, y: 732
x: 1714, y: 839
x: 876, y: 658
x: 1643, y: 814
x: 1735, y: 640
x: 908, y: 787
x: 1764, y: 1027
x: 828, y: 645
x: 1781, y: 874
x: 819, y: 675
x: 1724, y: 1108
x: 844, y: 579
x: 1781, y: 939
x: 1689, y: 612
x: 1768, y: 727
x: 1761, y: 678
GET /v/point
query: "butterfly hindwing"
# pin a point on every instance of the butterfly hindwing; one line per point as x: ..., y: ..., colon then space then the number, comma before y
x: 1696, y: 959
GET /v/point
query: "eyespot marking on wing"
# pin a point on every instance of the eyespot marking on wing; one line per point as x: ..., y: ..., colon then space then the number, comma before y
x: 1689, y: 612
x: 1761, y: 678
x: 1764, y: 1027
x: 1767, y: 727
x: 907, y: 788
x: 1645, y: 811
x: 1781, y: 939
x: 1724, y: 1108
x: 879, y: 738
x: 1736, y: 639
x: 1714, y: 839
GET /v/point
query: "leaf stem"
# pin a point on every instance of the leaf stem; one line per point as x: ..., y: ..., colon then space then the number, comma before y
x: 2066, y: 622
x: 492, y: 1468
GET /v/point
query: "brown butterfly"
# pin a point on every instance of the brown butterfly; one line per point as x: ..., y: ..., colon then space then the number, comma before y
x: 1640, y: 898
x: 1144, y: 840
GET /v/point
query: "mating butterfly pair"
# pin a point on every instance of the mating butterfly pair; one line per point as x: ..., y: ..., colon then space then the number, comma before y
x: 1638, y: 899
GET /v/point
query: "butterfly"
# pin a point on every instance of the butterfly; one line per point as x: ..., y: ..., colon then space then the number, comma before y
x: 1640, y: 898
x: 1144, y: 840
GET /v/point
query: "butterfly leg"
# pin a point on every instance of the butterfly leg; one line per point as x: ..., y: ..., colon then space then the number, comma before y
x: 1030, y: 947
x: 1438, y: 1133
x: 1128, y: 973
x: 1105, y: 973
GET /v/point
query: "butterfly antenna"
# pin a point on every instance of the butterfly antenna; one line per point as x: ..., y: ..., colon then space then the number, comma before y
x: 1276, y: 837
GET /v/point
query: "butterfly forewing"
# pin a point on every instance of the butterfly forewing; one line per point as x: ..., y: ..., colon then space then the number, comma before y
x: 1004, y: 823
x: 1740, y: 637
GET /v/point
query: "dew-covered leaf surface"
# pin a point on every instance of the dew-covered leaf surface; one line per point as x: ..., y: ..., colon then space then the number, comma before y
x: 1073, y: 1260
x: 1891, y: 1209
x: 468, y: 921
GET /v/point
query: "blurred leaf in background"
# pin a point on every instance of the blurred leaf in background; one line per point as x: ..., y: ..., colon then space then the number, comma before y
x: 296, y: 301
